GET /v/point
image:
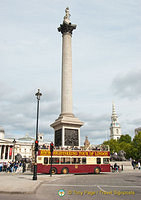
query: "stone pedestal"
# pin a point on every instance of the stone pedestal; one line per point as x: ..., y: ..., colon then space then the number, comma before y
x: 67, y: 126
x: 67, y: 131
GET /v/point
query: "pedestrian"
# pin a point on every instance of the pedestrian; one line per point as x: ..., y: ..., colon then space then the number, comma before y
x: 1, y: 166
x: 133, y: 164
x: 11, y: 166
x: 116, y: 167
x: 139, y: 165
x: 15, y: 166
x: 5, y: 167
x: 24, y: 167
x: 20, y: 167
x: 8, y: 167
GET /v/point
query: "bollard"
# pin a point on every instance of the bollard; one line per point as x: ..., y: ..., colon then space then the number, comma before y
x: 122, y: 167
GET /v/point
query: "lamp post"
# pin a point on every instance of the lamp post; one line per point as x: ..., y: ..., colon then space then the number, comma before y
x: 38, y: 95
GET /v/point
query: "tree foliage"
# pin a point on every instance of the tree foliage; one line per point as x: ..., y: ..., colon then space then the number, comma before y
x: 125, y: 138
x: 125, y: 143
x: 137, y: 145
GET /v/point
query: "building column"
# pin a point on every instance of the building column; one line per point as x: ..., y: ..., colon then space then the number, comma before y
x: 12, y: 153
x: 4, y: 152
x: 8, y: 152
x: 0, y: 151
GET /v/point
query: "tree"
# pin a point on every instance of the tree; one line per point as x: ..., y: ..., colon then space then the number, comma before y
x: 125, y: 138
x: 127, y: 147
x: 113, y: 144
x: 137, y: 146
x: 132, y: 148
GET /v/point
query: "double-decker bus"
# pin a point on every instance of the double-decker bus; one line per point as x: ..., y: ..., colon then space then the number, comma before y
x: 73, y: 161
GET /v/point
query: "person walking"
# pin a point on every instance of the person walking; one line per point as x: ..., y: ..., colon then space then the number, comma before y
x: 1, y: 166
x: 116, y: 167
x: 8, y: 167
x: 24, y: 166
x: 139, y: 165
x: 133, y: 164
x: 15, y: 166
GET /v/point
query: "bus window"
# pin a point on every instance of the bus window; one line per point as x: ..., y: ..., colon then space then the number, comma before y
x: 75, y: 160
x: 105, y: 160
x: 45, y: 160
x: 98, y: 160
x: 83, y: 160
x: 54, y: 160
x: 65, y: 160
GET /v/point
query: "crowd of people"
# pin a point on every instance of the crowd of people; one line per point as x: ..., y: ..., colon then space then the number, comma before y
x: 17, y: 167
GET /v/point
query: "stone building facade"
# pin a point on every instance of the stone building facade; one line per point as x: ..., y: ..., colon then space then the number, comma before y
x: 24, y: 146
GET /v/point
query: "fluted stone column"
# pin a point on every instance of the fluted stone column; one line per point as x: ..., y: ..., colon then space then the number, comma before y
x: 67, y: 126
x: 66, y: 96
x: 8, y: 152
x: 4, y: 152
x: 0, y: 151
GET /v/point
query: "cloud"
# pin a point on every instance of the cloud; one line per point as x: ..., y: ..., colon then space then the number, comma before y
x: 136, y: 122
x: 18, y: 111
x: 128, y: 85
x: 96, y: 127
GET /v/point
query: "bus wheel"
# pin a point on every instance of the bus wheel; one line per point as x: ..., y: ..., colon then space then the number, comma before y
x: 65, y: 170
x: 54, y: 170
x: 97, y: 170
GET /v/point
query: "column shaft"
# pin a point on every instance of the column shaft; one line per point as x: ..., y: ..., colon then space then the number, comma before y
x: 8, y: 152
x: 66, y: 96
x: 4, y: 152
x: 0, y: 151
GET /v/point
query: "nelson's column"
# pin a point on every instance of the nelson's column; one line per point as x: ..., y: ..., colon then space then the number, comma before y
x: 67, y: 126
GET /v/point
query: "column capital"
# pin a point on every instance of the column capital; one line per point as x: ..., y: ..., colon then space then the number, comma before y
x: 66, y: 28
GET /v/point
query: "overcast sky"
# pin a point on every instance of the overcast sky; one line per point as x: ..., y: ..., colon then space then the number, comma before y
x: 106, y: 48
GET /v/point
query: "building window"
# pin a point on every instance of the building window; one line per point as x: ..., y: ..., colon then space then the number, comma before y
x: 117, y: 131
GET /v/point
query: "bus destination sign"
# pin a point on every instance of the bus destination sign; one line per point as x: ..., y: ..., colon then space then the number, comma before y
x: 43, y: 152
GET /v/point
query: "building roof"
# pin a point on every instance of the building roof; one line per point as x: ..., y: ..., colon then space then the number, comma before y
x: 26, y: 138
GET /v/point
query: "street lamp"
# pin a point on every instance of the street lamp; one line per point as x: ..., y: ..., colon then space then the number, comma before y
x: 38, y: 95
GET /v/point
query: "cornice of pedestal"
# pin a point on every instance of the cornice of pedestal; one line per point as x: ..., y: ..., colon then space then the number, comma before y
x: 67, y: 120
x: 66, y: 28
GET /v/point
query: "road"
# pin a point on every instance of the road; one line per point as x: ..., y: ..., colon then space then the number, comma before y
x: 106, y: 186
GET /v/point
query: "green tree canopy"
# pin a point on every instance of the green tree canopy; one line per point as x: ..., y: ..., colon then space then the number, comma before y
x: 114, y: 145
x: 131, y: 147
x: 125, y: 138
x: 137, y: 146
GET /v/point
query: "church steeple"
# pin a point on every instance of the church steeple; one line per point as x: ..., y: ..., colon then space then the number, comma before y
x: 114, y: 115
x: 115, y: 129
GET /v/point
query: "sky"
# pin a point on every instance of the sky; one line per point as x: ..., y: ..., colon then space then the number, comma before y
x: 106, y: 64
